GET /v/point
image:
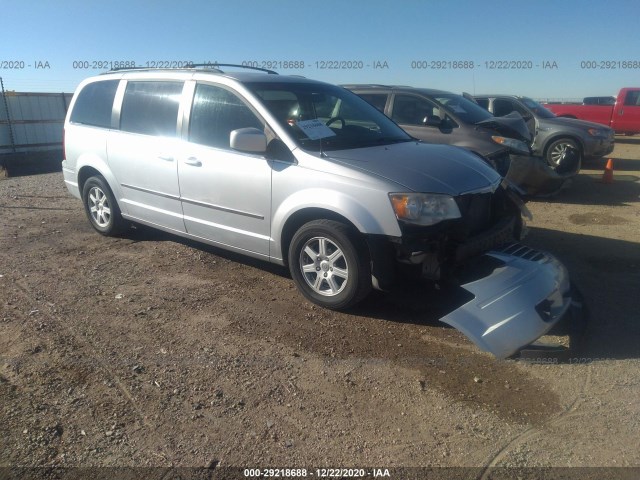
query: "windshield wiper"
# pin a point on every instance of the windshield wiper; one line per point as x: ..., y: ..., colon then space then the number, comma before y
x: 391, y: 140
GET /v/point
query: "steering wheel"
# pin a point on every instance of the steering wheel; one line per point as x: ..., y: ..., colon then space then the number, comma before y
x: 335, y: 119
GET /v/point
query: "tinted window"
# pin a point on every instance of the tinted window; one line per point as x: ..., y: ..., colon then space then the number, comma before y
x: 462, y: 108
x: 94, y: 104
x: 378, y: 100
x: 632, y: 98
x: 537, y: 109
x: 483, y: 102
x: 411, y: 110
x: 215, y: 113
x: 151, y: 108
x: 502, y: 107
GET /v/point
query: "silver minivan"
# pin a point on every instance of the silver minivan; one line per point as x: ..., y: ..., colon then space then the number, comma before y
x: 308, y: 175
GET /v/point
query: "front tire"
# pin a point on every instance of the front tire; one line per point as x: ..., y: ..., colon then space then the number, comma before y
x: 330, y: 264
x: 101, y: 207
x: 557, y: 157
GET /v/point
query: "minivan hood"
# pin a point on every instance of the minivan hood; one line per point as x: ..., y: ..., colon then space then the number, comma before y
x: 422, y: 167
x: 511, y: 125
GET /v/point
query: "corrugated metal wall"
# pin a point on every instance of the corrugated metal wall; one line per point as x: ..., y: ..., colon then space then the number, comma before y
x: 34, y: 121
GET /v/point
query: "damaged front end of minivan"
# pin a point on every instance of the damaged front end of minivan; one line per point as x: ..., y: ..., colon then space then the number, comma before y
x: 517, y: 294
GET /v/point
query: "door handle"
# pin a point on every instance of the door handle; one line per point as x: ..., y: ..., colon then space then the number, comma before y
x: 167, y: 158
x: 193, y: 161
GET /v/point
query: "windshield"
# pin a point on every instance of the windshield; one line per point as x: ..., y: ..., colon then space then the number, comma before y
x: 325, y: 117
x: 466, y: 110
x: 536, y: 108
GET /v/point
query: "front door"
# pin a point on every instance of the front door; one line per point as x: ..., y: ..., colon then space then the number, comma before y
x: 226, y: 194
x: 626, y: 118
x: 412, y: 113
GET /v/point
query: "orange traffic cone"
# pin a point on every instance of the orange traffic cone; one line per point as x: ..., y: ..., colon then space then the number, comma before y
x: 607, y: 176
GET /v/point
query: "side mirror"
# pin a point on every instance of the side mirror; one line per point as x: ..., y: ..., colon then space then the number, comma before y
x: 249, y: 140
x: 432, y: 121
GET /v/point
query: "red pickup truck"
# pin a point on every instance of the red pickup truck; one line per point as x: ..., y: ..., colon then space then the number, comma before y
x: 623, y: 116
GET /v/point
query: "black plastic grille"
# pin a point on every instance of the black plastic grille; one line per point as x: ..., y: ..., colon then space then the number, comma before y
x: 522, y: 251
x: 476, y: 211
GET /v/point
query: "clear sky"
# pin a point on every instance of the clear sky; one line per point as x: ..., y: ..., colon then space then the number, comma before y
x: 540, y: 48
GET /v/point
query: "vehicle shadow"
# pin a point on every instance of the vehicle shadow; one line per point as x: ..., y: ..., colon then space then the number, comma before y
x: 588, y: 189
x: 142, y: 233
x: 619, y: 164
x: 605, y: 271
x: 628, y: 139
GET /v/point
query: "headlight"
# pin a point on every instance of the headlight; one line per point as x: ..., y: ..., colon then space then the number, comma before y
x: 598, y: 132
x: 512, y: 143
x: 424, y: 208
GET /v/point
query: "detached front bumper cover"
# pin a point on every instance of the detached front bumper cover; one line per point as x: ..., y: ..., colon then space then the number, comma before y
x: 515, y: 304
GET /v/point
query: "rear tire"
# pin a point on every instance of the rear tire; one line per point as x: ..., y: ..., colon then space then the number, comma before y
x: 101, y: 207
x: 330, y: 264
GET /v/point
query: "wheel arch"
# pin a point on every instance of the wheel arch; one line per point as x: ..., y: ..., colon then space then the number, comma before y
x: 561, y: 136
x: 85, y: 173
x: 305, y: 215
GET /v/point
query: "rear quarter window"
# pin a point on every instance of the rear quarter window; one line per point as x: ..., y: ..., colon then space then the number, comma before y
x: 151, y: 108
x: 95, y: 103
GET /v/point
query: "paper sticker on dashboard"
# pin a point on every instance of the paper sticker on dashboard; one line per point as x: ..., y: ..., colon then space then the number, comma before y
x: 315, y: 129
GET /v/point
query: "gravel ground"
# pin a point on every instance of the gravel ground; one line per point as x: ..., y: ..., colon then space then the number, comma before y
x: 148, y: 350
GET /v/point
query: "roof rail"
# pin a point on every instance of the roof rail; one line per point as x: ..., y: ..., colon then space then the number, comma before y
x: 367, y: 85
x: 372, y: 85
x: 205, y: 66
x: 216, y: 65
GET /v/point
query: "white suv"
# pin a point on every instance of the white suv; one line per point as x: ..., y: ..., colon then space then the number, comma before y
x: 304, y: 174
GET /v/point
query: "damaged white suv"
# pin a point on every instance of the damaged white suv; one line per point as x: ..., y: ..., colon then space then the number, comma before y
x: 306, y: 174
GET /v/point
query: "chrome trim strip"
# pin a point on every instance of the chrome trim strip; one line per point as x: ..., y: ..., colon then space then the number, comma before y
x: 153, y: 192
x: 224, y: 227
x: 223, y: 209
x: 153, y: 209
x: 194, y: 202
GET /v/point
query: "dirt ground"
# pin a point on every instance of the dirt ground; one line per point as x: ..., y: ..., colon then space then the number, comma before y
x: 148, y: 350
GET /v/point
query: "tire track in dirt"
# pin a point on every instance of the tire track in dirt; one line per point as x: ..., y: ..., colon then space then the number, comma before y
x: 84, y: 343
x: 401, y: 338
x: 534, y: 431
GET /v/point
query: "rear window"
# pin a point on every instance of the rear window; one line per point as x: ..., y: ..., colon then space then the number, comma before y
x: 633, y: 98
x: 94, y: 104
x: 151, y: 108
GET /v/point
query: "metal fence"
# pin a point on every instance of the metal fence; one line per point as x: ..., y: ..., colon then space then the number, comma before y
x: 32, y: 122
